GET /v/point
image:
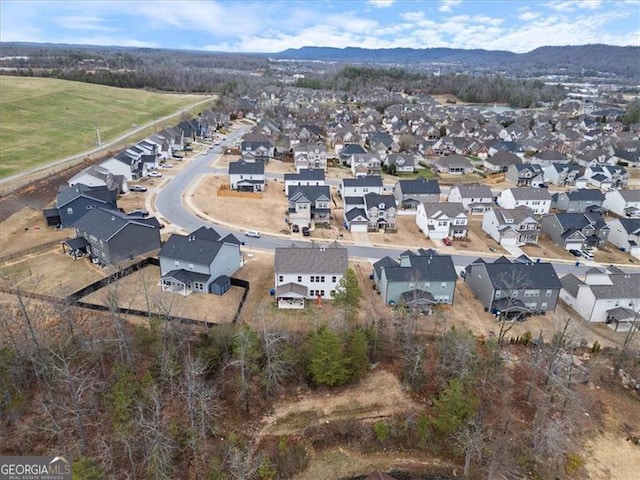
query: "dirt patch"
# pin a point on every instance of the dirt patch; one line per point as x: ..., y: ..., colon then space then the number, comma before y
x: 26, y: 229
x: 379, y: 395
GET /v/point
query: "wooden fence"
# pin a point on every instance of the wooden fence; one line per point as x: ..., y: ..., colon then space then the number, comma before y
x: 225, y: 191
x: 38, y: 248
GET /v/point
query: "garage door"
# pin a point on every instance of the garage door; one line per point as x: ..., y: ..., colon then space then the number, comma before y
x: 574, y: 246
x: 359, y: 227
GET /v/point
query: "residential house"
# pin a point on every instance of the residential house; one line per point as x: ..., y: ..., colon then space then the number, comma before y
x: 575, y: 231
x: 562, y: 174
x: 381, y: 211
x: 72, y: 203
x: 365, y: 164
x: 309, y: 204
x: 411, y: 193
x: 246, y: 176
x: 97, y: 176
x: 402, y: 162
x: 308, y: 273
x: 130, y: 167
x: 624, y: 203
x: 111, y: 236
x: 453, y: 164
x: 624, y: 233
x: 607, y: 295
x: 418, y: 279
x: 256, y: 147
x: 525, y: 175
x: 202, y: 261
x: 547, y: 157
x: 474, y: 197
x: 579, y: 200
x: 514, y: 288
x: 305, y: 176
x: 310, y: 155
x: 441, y: 220
x: 607, y: 176
x: 348, y: 150
x: 500, y: 162
x: 511, y: 226
x: 537, y: 199
x: 358, y: 187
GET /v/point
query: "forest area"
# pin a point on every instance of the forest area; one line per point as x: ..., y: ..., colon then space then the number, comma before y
x: 152, y: 398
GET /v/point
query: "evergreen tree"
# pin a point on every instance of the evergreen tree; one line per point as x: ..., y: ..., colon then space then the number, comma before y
x: 327, y: 363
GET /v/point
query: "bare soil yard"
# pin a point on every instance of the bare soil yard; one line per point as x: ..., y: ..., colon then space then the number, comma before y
x: 26, y: 229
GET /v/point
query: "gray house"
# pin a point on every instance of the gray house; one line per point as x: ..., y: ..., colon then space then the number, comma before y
x: 525, y: 175
x: 309, y: 204
x: 562, y: 173
x: 514, y: 288
x: 202, y: 261
x: 453, y: 164
x: 305, y: 176
x: 575, y: 231
x: 420, y: 278
x: 411, y: 193
x: 246, y: 176
x: 577, y: 200
x: 72, y: 203
x: 111, y: 236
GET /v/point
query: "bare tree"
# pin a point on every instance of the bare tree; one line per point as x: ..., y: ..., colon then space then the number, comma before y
x: 471, y: 439
x: 245, y: 354
x: 243, y: 463
x: 627, y: 344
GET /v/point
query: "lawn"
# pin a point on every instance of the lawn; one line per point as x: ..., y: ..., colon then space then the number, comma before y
x: 44, y: 119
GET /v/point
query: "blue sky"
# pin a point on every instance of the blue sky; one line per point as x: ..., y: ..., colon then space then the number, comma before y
x: 273, y: 26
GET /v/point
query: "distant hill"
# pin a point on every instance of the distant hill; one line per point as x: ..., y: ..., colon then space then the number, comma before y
x: 622, y: 61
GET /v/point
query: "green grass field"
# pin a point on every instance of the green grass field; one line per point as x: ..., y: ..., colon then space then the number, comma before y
x: 43, y: 120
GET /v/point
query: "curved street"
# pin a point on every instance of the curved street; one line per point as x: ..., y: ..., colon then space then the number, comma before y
x: 171, y: 203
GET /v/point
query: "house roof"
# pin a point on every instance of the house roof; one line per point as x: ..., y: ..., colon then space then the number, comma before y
x: 310, y: 147
x: 578, y: 221
x: 383, y: 202
x: 515, y: 215
x: 530, y: 193
x: 419, y: 186
x: 474, y: 190
x: 454, y: 161
x: 521, y: 276
x: 354, y: 213
x: 364, y: 181
x: 425, y: 267
x: 198, y: 247
x: 503, y: 159
x: 312, y: 174
x: 99, y: 194
x: 312, y: 193
x: 630, y: 225
x: 246, y: 168
x: 185, y: 276
x: 623, y: 285
x: 630, y: 195
x: 331, y: 259
x: 583, y: 194
x: 291, y: 290
x: 104, y: 224
x: 448, y: 209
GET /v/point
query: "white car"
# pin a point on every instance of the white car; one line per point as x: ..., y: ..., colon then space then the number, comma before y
x: 166, y: 165
x: 587, y: 254
x: 252, y: 233
x: 154, y: 174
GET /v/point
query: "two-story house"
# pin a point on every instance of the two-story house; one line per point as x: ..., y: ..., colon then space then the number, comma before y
x: 365, y: 164
x: 500, y: 162
x: 359, y: 187
x: 624, y: 203
x: 256, y: 147
x: 537, y: 199
x: 474, y: 197
x: 111, y: 236
x: 418, y: 279
x: 402, y: 162
x: 381, y: 211
x: 511, y: 226
x: 246, y: 176
x: 201, y: 261
x: 441, y: 220
x: 579, y: 200
x: 607, y: 176
x: 308, y: 273
x: 525, y: 175
x: 608, y: 295
x: 575, y: 231
x: 305, y: 176
x: 624, y: 233
x: 74, y: 202
x: 310, y: 155
x: 562, y: 174
x: 350, y: 149
x: 411, y: 193
x: 309, y: 204
x: 514, y: 288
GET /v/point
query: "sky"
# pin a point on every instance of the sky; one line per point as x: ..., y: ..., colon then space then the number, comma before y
x: 273, y: 26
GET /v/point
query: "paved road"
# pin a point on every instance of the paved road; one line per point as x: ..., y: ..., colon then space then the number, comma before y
x: 169, y: 203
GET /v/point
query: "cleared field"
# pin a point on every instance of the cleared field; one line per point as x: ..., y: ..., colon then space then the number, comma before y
x: 47, y: 119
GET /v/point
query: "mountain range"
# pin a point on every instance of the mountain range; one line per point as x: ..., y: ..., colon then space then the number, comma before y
x: 596, y: 58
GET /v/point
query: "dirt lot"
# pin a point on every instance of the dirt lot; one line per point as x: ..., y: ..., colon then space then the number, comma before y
x: 50, y: 272
x: 25, y: 229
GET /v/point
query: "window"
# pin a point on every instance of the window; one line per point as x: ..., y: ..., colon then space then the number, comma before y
x: 198, y: 286
x: 299, y: 278
x: 549, y: 292
x: 531, y: 293
x: 543, y: 306
x: 321, y: 293
x: 334, y: 279
x: 515, y: 293
x: 443, y: 285
x: 443, y: 224
x: 312, y: 293
x: 498, y: 293
x: 311, y: 278
x: 90, y: 207
x: 322, y: 278
x: 69, y: 211
x: 280, y: 278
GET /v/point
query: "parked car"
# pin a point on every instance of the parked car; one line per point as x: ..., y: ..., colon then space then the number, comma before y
x: 587, y: 254
x: 137, y: 188
x: 140, y: 212
x: 166, y: 165
x: 305, y: 231
x: 447, y: 241
x: 575, y: 253
x: 154, y: 174
x: 295, y: 228
x: 252, y: 233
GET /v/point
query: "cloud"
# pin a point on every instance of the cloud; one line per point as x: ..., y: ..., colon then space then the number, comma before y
x: 447, y: 5
x: 573, y: 5
x: 528, y: 16
x: 83, y: 22
x: 381, y: 3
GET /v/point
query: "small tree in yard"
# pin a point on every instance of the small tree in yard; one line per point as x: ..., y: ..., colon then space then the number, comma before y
x: 358, y: 353
x: 348, y: 292
x: 327, y: 363
x: 454, y: 405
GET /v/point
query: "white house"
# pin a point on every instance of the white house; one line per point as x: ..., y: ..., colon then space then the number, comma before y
x: 624, y: 203
x: 624, y: 233
x: 537, y: 199
x: 608, y: 295
x: 311, y: 273
x: 475, y: 198
x: 511, y: 227
x: 305, y: 177
x: 310, y: 155
x: 359, y: 187
x: 440, y: 220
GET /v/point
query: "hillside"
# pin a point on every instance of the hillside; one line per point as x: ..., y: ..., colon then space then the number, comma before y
x: 44, y: 119
x: 621, y: 61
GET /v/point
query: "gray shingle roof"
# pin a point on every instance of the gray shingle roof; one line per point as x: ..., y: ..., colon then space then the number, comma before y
x: 364, y: 181
x: 100, y: 194
x: 104, y: 224
x: 246, y: 168
x: 474, y: 190
x: 530, y: 193
x: 199, y: 247
x: 383, y: 202
x: 316, y: 174
x: 419, y: 185
x: 449, y: 209
x: 332, y: 259
x: 522, y: 276
x: 429, y: 268
x: 592, y: 194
